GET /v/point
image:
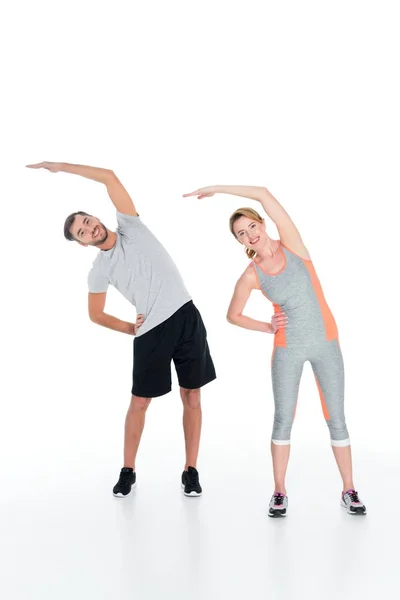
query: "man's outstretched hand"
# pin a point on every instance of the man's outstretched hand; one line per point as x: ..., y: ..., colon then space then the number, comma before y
x: 53, y: 167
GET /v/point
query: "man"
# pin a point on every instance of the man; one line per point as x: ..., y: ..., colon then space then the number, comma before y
x: 168, y: 325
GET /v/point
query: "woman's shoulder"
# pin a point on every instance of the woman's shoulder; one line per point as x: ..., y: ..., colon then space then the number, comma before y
x: 298, y: 250
x: 249, y: 276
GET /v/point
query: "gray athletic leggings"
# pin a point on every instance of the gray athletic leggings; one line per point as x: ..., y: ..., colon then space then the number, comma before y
x: 287, y: 367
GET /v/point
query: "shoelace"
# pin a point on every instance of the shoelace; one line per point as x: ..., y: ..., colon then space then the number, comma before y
x: 354, y: 496
x: 278, y: 499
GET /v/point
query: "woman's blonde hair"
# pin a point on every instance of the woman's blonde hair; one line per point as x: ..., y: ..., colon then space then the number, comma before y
x: 250, y: 214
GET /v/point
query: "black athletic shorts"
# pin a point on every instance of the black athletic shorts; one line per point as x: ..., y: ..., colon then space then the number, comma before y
x: 181, y: 338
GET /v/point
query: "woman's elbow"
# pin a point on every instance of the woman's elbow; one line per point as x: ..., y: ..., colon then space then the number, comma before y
x: 231, y: 318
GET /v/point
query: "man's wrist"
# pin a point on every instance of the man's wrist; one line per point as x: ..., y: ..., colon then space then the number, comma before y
x: 130, y: 329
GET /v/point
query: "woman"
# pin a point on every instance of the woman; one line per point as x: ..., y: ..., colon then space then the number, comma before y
x: 303, y: 327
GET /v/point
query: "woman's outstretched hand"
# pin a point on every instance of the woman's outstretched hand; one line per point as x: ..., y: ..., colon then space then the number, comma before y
x: 205, y: 192
x: 50, y: 166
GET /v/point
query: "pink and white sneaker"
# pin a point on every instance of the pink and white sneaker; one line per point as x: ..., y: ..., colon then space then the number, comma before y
x: 278, y: 505
x: 352, y: 503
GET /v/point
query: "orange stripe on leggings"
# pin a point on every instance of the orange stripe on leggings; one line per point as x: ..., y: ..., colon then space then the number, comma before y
x: 324, y: 406
x: 329, y: 322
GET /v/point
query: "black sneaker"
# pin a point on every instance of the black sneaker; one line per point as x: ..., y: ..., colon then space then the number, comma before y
x: 127, y: 481
x: 190, y: 482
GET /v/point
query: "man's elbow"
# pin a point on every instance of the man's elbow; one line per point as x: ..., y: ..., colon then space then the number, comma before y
x: 96, y: 317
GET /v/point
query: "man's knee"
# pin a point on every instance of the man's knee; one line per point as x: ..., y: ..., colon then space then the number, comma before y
x: 139, y: 404
x: 190, y: 398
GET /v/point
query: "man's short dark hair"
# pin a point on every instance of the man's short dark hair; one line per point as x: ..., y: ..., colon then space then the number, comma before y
x: 69, y: 221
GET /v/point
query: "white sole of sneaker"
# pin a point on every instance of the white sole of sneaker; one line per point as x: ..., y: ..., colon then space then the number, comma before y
x: 126, y: 495
x: 192, y: 494
x: 359, y: 511
x: 277, y: 514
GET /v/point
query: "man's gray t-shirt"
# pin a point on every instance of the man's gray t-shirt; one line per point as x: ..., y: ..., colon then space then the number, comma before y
x: 141, y: 269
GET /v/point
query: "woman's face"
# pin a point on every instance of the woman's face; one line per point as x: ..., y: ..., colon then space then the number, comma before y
x: 250, y: 233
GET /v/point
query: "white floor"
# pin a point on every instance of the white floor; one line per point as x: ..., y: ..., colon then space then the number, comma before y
x: 314, y: 116
x: 65, y: 536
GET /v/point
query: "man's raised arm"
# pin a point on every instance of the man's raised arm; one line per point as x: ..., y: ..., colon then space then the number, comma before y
x: 118, y: 194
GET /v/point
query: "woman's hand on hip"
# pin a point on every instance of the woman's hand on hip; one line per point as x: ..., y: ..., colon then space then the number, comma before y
x: 279, y: 321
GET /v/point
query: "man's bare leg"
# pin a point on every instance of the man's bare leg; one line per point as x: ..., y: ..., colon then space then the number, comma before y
x: 134, y: 424
x: 192, y: 418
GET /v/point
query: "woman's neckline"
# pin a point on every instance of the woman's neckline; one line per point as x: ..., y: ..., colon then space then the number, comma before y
x: 280, y: 270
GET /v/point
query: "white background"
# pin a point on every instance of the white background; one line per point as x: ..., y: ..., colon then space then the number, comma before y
x: 301, y: 97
